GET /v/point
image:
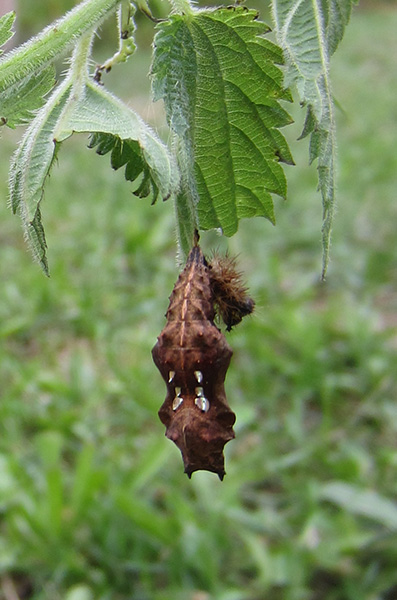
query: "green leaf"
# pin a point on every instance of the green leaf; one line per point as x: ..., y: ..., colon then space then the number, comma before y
x: 85, y: 482
x: 126, y: 153
x: 145, y: 517
x: 217, y: 76
x: 6, y: 22
x: 309, y: 31
x: 84, y: 107
x: 367, y: 503
x: 26, y: 72
x: 36, y: 54
x: 18, y: 105
x: 336, y: 14
x: 30, y: 167
x: 121, y: 131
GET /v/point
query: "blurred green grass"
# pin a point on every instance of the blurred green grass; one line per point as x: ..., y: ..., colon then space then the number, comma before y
x: 93, y: 501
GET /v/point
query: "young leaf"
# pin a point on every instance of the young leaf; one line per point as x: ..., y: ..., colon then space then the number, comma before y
x: 6, y: 22
x: 127, y: 44
x: 309, y: 31
x: 217, y: 75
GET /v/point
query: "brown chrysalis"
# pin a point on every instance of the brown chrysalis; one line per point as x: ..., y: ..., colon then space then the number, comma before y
x: 193, y: 356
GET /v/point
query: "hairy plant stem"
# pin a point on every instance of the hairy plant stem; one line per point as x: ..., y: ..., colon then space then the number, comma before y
x: 33, y: 56
x: 77, y: 78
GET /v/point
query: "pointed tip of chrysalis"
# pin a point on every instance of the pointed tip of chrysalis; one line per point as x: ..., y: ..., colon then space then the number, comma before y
x: 221, y: 474
x: 189, y: 473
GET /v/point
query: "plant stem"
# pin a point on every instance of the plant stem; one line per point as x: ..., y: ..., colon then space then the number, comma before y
x: 186, y: 224
x: 33, y: 56
x: 127, y: 45
x: 77, y: 78
x: 81, y: 54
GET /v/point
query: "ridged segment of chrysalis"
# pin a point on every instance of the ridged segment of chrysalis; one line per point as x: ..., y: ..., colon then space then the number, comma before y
x: 193, y: 356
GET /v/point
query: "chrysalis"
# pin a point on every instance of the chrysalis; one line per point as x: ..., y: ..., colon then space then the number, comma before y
x: 193, y: 356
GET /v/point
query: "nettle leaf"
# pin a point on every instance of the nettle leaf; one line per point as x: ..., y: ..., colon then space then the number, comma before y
x: 6, y: 23
x: 26, y: 74
x: 20, y: 100
x: 91, y: 110
x: 38, y: 53
x: 19, y: 104
x: 127, y: 153
x: 309, y: 32
x: 29, y: 168
x: 218, y: 77
x: 120, y: 130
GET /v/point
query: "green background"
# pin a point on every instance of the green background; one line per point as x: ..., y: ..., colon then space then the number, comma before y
x: 94, y: 504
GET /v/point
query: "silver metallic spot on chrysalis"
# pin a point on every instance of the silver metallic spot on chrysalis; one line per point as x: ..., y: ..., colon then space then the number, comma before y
x: 171, y: 376
x: 177, y: 402
x: 177, y: 391
x: 199, y: 376
x: 202, y: 403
